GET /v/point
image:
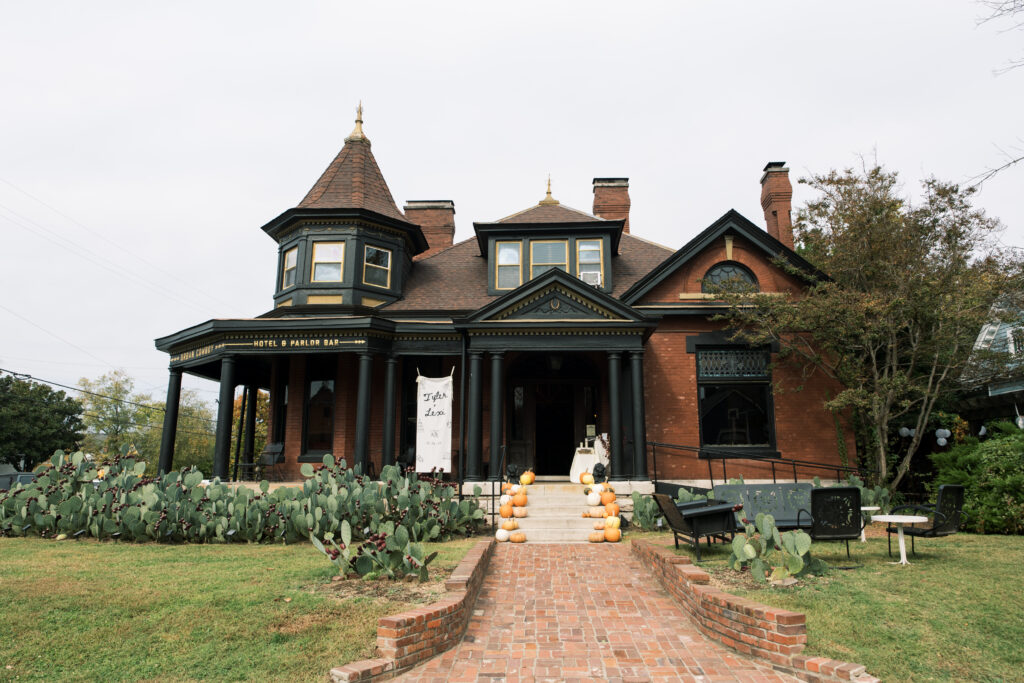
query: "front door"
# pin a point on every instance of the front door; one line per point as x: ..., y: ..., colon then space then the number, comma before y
x: 551, y: 400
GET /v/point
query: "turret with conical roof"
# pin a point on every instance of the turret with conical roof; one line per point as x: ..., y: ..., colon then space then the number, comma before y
x: 346, y: 243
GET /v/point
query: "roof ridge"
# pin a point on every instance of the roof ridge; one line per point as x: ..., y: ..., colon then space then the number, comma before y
x: 650, y: 242
x: 448, y: 248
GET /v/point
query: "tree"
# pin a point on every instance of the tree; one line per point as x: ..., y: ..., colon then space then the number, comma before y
x: 262, y: 418
x: 194, y: 438
x: 909, y: 288
x: 1000, y: 10
x: 36, y: 420
x: 110, y: 410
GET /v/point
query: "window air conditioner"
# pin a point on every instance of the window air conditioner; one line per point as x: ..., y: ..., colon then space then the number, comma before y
x: 591, y: 278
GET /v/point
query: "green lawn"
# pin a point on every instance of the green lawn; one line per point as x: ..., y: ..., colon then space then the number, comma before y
x: 956, y: 613
x: 84, y: 610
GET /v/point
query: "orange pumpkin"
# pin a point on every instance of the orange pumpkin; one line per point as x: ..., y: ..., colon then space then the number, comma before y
x: 519, y: 511
x: 596, y: 537
x: 506, y: 486
x: 599, y: 524
x: 607, y: 497
x: 519, y: 500
x: 583, y: 474
x: 517, y: 537
x: 510, y: 525
x: 612, y: 535
x: 527, y: 477
x: 612, y: 509
x: 598, y: 512
x: 505, y: 511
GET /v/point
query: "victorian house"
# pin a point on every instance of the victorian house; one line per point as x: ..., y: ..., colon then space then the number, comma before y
x: 556, y: 323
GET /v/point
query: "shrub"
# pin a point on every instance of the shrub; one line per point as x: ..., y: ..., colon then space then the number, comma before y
x: 993, y: 473
x: 73, y: 496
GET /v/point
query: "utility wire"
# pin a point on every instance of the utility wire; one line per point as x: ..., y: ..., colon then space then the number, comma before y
x: 114, y: 243
x: 24, y: 375
x: 87, y: 254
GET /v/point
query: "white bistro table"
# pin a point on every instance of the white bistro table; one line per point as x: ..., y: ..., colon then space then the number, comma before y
x: 583, y: 461
x: 866, y: 508
x: 899, y: 521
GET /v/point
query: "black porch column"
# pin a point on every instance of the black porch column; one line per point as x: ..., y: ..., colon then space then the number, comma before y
x: 617, y: 460
x: 225, y: 407
x: 636, y: 371
x: 497, y: 412
x: 388, y: 441
x: 170, y: 422
x: 363, y: 409
x: 475, y: 456
x: 250, y: 424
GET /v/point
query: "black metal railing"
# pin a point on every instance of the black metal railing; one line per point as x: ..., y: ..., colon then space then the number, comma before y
x: 726, y: 454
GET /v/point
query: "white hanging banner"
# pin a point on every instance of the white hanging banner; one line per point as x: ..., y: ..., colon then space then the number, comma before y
x: 433, y: 423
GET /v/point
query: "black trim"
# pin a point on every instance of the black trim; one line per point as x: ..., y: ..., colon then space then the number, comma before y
x: 734, y: 222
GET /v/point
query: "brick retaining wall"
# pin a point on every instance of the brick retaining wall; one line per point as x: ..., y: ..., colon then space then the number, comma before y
x: 407, y: 639
x: 757, y: 630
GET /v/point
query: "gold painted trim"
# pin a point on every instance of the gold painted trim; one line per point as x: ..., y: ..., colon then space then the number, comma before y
x: 497, y: 249
x: 313, y: 262
x: 557, y: 263
x: 282, y: 304
x: 501, y: 315
x: 285, y: 268
x: 391, y: 259
x: 728, y: 247
x: 370, y: 301
x: 324, y: 299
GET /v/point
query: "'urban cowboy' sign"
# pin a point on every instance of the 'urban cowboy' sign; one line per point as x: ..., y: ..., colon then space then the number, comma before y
x: 433, y: 423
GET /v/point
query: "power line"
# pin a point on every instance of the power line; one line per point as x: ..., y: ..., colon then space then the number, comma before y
x: 141, y: 259
x: 24, y: 375
x: 87, y: 254
x: 57, y: 337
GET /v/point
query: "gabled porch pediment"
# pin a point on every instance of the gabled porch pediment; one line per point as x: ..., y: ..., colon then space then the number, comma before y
x: 555, y: 296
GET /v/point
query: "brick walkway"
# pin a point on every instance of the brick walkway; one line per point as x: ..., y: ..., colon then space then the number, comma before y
x: 582, y: 613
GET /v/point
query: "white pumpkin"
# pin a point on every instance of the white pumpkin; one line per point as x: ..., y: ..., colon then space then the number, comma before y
x: 505, y: 499
x: 593, y: 498
x: 598, y: 488
x: 501, y: 535
x: 515, y: 489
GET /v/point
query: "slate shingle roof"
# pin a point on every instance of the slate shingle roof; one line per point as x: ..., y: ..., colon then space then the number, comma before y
x: 353, y: 181
x: 550, y: 213
x: 456, y: 279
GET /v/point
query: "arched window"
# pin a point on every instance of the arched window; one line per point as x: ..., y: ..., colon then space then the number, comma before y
x: 727, y: 272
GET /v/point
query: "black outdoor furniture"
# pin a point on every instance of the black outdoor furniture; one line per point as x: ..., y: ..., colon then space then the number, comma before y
x: 270, y: 458
x: 781, y: 501
x: 945, y: 514
x: 708, y: 519
x: 834, y: 516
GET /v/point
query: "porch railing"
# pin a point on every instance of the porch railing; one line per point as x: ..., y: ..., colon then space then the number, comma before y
x: 787, y: 463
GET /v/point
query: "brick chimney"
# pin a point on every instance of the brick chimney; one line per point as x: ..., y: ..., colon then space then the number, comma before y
x: 437, y: 220
x: 611, y: 199
x: 777, y: 201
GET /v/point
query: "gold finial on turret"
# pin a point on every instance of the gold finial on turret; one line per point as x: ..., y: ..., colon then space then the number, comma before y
x: 548, y: 199
x: 357, y: 132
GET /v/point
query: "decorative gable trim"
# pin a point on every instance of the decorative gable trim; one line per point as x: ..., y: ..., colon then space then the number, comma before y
x: 731, y: 222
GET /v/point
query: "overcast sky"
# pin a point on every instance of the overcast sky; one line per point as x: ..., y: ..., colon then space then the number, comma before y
x: 143, y: 144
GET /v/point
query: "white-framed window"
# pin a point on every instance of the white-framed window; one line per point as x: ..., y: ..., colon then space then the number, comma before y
x: 508, y: 271
x: 548, y: 254
x: 289, y: 267
x: 328, y: 261
x: 589, y: 259
x: 377, y: 267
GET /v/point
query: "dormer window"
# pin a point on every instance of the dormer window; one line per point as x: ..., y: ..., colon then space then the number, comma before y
x: 377, y: 267
x: 328, y: 261
x: 510, y: 265
x: 545, y: 255
x: 291, y: 260
x: 589, y: 261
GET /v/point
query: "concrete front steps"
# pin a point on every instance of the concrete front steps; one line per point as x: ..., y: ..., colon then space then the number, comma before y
x: 555, y: 509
